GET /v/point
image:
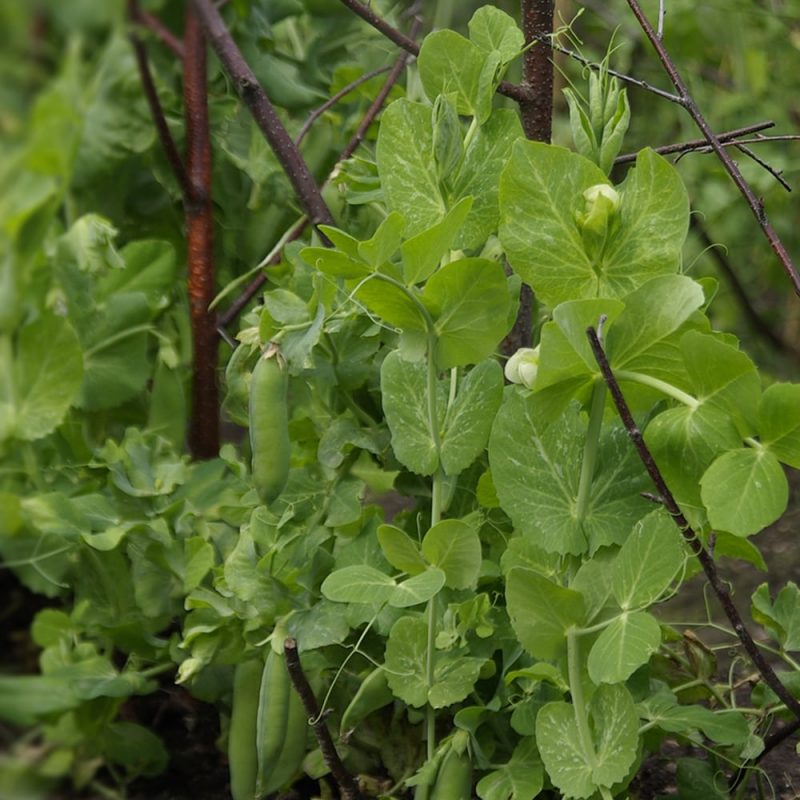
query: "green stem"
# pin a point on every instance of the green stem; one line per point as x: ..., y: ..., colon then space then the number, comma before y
x: 117, y: 337
x: 578, y: 702
x: 662, y: 386
x: 590, y: 449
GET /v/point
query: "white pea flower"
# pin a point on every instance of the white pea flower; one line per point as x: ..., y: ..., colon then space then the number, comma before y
x: 523, y: 366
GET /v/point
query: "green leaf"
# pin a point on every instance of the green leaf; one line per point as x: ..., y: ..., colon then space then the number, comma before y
x: 450, y: 64
x: 454, y: 547
x: 400, y: 550
x: 417, y: 589
x: 539, y: 193
x: 469, y: 301
x: 51, y: 626
x: 404, y: 390
x: 134, y: 747
x: 479, y: 176
x: 469, y: 419
x: 781, y: 618
x: 623, y: 646
x: 652, y: 312
x: 521, y: 778
x: 779, y: 422
x: 384, y: 242
x: 647, y: 562
x: 699, y: 780
x: 423, y: 253
x: 744, y: 490
x: 48, y: 371
x: 406, y: 668
x: 536, y: 469
x: 492, y: 29
x: 334, y: 263
x: 358, y: 584
x: 580, y: 774
x: 541, y: 612
x: 724, y: 377
x: 407, y: 169
x: 726, y: 728
x: 394, y: 304
x: 26, y: 698
x: 684, y: 442
x: 150, y: 268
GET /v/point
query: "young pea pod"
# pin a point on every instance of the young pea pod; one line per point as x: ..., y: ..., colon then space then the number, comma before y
x: 374, y: 693
x: 454, y: 779
x: 293, y: 751
x: 273, y: 717
x: 269, y: 425
x: 242, y: 753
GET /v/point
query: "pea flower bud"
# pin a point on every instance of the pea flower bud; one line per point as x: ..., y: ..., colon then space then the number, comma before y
x: 523, y: 366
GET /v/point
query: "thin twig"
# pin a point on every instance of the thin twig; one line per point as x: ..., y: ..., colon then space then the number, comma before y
x: 777, y: 174
x: 757, y: 322
x: 253, y: 287
x: 756, y: 205
x: 204, y: 424
x: 706, y: 561
x: 700, y: 144
x: 159, y: 119
x: 518, y: 93
x: 648, y: 87
x: 332, y: 101
x: 157, y: 27
x: 255, y: 98
x: 343, y: 778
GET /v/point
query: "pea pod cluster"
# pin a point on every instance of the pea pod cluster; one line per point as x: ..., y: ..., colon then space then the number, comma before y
x: 267, y: 739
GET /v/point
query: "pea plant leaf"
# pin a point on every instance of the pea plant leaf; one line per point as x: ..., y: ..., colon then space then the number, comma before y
x: 418, y: 588
x: 541, y: 612
x: 405, y: 163
x: 469, y: 419
x: 623, y: 646
x: 400, y: 550
x: 536, y: 468
x: 647, y: 562
x: 520, y: 778
x: 781, y: 617
x: 450, y: 64
x: 358, y: 584
x: 455, y: 548
x: 469, y: 301
x: 779, y: 422
x: 574, y: 771
x: 404, y: 390
x: 42, y: 378
x: 492, y: 29
x: 744, y: 490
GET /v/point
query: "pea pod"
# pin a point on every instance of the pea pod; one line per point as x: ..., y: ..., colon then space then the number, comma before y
x: 242, y: 753
x: 294, y: 747
x: 454, y: 779
x: 272, y: 718
x: 374, y: 693
x: 269, y: 425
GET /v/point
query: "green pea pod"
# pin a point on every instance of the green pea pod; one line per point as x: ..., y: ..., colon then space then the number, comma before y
x: 454, y: 779
x: 269, y: 425
x: 374, y: 693
x: 273, y: 718
x: 242, y: 753
x: 294, y: 747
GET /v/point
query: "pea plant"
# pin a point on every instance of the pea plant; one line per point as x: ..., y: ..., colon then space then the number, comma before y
x: 429, y: 567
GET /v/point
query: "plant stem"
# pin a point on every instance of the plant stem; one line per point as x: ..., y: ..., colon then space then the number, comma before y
x: 537, y: 71
x: 662, y: 386
x: 590, y: 449
x: 578, y: 702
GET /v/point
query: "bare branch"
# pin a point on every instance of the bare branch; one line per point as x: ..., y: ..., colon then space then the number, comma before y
x: 156, y: 26
x: 343, y: 778
x: 537, y: 71
x: 332, y: 101
x: 706, y: 561
x: 700, y: 144
x: 261, y: 108
x: 204, y: 426
x: 756, y: 204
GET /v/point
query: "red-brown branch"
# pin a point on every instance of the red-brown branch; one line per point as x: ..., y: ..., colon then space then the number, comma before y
x: 204, y: 427
x: 157, y: 27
